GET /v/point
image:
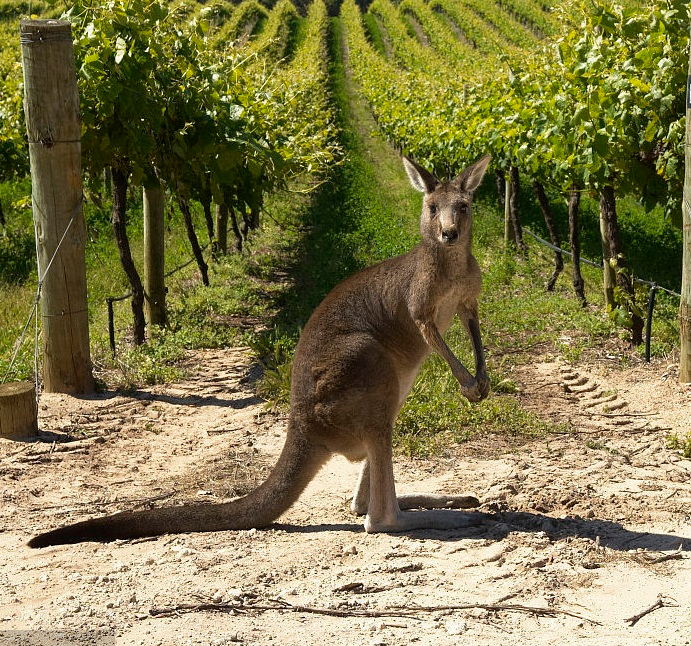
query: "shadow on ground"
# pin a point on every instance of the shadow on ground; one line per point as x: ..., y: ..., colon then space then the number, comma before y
x: 497, y: 526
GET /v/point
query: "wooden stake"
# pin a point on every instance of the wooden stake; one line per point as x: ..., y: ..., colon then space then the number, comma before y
x: 18, y: 410
x: 514, y: 211
x: 51, y: 109
x: 575, y: 243
x: 685, y: 304
x: 221, y: 230
x: 548, y: 216
x: 509, y: 235
x: 154, y: 256
x: 609, y: 278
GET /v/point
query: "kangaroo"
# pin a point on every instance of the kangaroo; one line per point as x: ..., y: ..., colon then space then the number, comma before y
x: 354, y: 364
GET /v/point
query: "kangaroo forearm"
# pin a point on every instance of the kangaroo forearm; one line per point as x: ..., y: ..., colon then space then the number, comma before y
x: 478, y: 349
x: 436, y: 342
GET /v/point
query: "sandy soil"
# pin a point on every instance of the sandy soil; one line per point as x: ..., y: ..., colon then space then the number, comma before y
x: 596, y: 523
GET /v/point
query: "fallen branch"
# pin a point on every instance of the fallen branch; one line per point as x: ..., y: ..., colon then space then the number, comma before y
x: 662, y: 602
x: 654, y: 560
x: 394, y: 611
x: 625, y: 414
x: 358, y: 587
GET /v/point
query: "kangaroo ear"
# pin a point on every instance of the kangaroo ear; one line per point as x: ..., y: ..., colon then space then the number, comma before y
x: 472, y: 176
x: 421, y: 179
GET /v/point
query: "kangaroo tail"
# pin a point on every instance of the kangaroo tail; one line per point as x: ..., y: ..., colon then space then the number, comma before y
x: 298, y: 463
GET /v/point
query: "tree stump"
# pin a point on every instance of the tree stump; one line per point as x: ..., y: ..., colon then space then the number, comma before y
x: 18, y: 411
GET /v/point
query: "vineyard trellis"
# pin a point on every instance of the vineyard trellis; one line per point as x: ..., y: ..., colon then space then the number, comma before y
x: 599, y: 110
x: 222, y: 106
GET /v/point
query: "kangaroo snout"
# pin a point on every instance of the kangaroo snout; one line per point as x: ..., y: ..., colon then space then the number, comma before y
x: 449, y: 235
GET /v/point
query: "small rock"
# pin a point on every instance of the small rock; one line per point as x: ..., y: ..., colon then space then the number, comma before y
x: 120, y: 567
x: 352, y: 549
x: 456, y: 627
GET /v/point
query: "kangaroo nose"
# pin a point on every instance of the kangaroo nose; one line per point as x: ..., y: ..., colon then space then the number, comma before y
x: 449, y: 235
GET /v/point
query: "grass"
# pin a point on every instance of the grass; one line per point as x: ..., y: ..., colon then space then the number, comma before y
x: 368, y: 212
x: 365, y: 213
x: 680, y: 443
x: 199, y: 317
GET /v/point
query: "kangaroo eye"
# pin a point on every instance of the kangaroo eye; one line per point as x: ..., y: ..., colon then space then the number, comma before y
x: 432, y: 209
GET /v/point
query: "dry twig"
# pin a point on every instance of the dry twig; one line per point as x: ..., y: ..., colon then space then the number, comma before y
x: 394, y: 611
x: 662, y: 602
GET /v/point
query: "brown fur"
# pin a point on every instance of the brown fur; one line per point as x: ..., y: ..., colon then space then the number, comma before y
x: 355, y: 362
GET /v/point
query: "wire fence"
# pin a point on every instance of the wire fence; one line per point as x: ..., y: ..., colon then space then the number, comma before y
x: 654, y: 287
x: 114, y: 299
x: 35, y: 303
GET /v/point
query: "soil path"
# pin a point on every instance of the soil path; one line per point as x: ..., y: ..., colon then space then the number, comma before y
x: 589, y: 523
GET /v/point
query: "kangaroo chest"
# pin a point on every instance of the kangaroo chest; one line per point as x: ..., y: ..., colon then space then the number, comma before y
x: 445, y: 309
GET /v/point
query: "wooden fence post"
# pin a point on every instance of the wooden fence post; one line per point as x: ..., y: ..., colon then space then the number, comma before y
x: 18, y: 413
x: 221, y: 230
x: 154, y: 256
x: 51, y: 110
x: 609, y: 278
x: 685, y: 304
x: 509, y: 234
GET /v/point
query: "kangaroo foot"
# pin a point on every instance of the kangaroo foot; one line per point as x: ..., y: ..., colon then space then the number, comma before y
x: 423, y: 501
x: 433, y: 519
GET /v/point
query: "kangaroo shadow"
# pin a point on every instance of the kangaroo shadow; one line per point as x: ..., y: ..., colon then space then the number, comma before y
x: 197, y: 400
x: 497, y: 526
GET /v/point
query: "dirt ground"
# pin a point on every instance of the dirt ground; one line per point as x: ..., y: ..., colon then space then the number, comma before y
x: 596, y: 523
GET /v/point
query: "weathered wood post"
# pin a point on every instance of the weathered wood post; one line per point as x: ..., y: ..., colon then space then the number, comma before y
x: 574, y: 203
x: 154, y: 256
x: 609, y: 277
x: 509, y: 234
x: 221, y: 230
x: 18, y: 411
x: 685, y: 304
x: 51, y: 109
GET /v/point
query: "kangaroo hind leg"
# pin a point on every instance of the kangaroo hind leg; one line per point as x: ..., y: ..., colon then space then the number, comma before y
x: 360, y: 501
x: 384, y: 513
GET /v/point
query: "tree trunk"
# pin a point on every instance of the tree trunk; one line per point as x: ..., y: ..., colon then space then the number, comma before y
x: 575, y: 243
x: 509, y: 235
x: 685, y: 302
x: 51, y: 110
x: 501, y: 184
x: 119, y: 219
x: 208, y: 218
x: 154, y: 256
x: 236, y: 229
x: 245, y: 223
x: 609, y: 276
x: 221, y: 242
x: 548, y: 215
x: 107, y: 183
x: 3, y: 223
x: 515, y: 213
x: 254, y: 219
x: 192, y: 235
x: 612, y: 240
x: 18, y: 412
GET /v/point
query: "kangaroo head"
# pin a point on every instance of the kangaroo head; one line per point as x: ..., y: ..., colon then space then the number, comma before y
x: 446, y: 208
